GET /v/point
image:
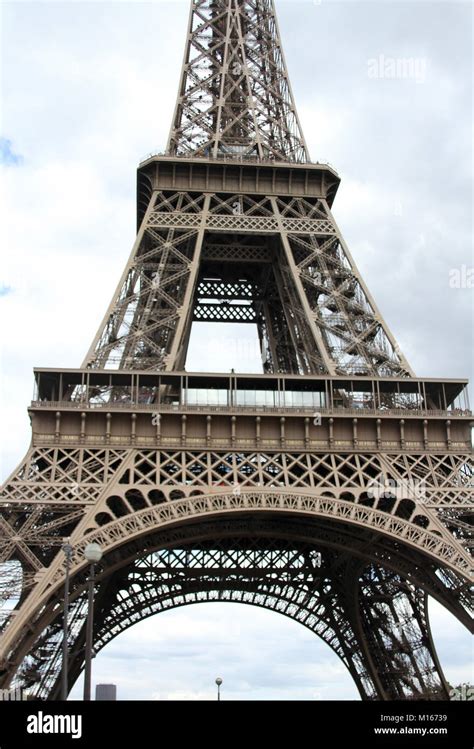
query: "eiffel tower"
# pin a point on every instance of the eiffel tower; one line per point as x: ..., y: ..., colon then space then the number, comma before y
x: 333, y: 488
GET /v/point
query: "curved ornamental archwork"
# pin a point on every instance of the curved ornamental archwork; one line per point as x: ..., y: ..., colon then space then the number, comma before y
x: 294, y: 580
x: 38, y: 651
x: 323, y: 579
x: 203, y: 487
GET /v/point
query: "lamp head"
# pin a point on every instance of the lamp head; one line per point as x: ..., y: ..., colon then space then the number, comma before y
x: 93, y: 553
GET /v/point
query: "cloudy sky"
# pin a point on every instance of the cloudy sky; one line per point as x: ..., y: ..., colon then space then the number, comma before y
x: 88, y: 90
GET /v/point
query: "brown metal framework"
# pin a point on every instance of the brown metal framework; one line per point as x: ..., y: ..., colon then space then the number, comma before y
x: 335, y: 488
x: 276, y: 260
x: 235, y: 96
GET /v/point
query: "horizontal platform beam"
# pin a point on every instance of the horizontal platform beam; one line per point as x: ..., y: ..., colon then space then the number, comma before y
x: 252, y: 176
x: 97, y: 386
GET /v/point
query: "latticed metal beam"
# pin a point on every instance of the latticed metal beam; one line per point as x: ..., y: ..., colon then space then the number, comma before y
x: 235, y: 96
x: 314, y: 311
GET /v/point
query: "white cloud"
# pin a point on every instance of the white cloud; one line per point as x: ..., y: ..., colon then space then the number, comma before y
x: 258, y: 654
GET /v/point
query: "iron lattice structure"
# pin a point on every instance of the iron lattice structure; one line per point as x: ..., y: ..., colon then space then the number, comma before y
x: 235, y: 96
x: 335, y: 488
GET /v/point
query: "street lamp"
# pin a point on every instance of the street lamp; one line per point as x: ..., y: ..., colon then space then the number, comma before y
x: 218, y: 682
x: 67, y: 549
x: 93, y: 554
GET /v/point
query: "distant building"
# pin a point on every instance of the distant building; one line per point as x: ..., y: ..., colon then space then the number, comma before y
x: 106, y: 692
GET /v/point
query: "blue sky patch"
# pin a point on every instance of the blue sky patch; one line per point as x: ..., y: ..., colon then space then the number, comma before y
x: 7, y: 156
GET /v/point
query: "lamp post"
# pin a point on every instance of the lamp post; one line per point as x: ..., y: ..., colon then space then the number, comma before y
x: 93, y: 554
x: 67, y: 549
x: 218, y: 682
